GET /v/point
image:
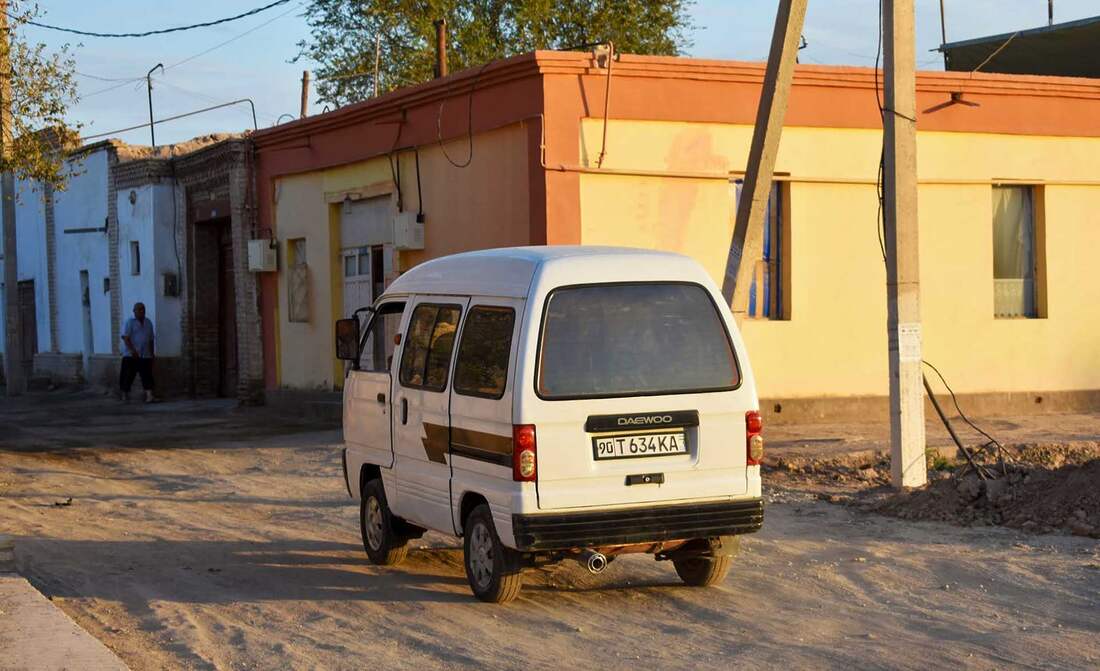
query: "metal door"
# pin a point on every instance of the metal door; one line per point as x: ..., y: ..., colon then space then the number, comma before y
x: 421, y: 411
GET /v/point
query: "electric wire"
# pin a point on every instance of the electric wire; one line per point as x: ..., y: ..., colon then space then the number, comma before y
x: 165, y: 119
x: 469, y: 123
x: 148, y: 33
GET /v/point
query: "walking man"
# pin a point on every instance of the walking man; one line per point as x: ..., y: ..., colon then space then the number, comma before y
x: 138, y: 354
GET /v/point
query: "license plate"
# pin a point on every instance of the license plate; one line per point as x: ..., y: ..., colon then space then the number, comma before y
x: 644, y: 445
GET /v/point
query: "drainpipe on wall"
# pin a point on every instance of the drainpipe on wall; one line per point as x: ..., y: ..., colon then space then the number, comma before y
x: 440, y: 48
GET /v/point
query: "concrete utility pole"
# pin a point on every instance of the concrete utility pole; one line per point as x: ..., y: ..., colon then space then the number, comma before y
x: 13, y: 331
x: 305, y: 95
x: 748, y: 228
x: 907, y: 461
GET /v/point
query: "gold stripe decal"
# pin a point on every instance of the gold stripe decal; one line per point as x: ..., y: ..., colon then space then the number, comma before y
x: 486, y: 442
x: 435, y: 441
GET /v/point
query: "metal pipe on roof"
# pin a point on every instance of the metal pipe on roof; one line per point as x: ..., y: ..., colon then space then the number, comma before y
x: 440, y: 48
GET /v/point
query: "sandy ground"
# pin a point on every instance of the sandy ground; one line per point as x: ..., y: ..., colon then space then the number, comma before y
x: 208, y: 538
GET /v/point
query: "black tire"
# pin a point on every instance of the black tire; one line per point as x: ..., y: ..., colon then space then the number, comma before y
x: 702, y: 571
x: 383, y: 546
x: 493, y: 570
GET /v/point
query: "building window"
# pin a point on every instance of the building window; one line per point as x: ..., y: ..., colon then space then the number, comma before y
x: 297, y: 281
x: 1018, y: 252
x: 135, y: 258
x: 769, y: 293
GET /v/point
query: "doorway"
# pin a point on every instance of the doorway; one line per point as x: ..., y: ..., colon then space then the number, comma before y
x: 227, y: 315
x: 28, y: 320
x: 214, y: 347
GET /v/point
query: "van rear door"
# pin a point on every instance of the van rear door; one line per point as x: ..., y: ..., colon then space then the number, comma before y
x: 640, y: 397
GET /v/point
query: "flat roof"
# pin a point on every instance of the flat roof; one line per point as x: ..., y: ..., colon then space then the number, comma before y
x: 1063, y: 49
x: 506, y: 271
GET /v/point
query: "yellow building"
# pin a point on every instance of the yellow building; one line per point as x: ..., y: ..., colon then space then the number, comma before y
x: 532, y: 150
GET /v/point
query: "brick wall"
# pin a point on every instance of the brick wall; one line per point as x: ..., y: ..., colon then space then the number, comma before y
x: 212, y: 177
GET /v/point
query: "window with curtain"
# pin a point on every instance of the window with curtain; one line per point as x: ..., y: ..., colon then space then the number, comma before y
x: 770, y: 277
x: 1015, y: 290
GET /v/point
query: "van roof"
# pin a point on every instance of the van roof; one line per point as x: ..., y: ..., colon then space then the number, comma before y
x: 507, y: 271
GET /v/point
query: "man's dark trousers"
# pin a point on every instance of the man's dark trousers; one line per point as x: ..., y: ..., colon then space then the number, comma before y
x: 132, y: 366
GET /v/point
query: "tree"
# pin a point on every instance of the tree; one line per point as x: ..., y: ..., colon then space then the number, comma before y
x: 343, y: 33
x: 35, y: 89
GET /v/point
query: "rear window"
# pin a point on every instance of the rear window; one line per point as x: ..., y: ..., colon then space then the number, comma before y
x: 608, y: 340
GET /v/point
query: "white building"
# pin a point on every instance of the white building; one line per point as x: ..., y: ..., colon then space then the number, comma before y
x: 124, y: 231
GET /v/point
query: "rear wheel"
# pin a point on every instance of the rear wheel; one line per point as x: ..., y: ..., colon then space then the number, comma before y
x: 702, y: 571
x: 376, y: 523
x: 493, y: 569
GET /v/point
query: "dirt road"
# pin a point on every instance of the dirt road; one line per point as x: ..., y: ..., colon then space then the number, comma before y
x: 226, y: 541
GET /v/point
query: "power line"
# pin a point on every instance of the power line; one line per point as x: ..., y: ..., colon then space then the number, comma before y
x: 125, y: 81
x: 233, y: 39
x: 162, y: 31
x: 173, y: 118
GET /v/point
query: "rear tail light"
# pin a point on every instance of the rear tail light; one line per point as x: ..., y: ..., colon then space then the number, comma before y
x: 754, y: 442
x: 524, y: 453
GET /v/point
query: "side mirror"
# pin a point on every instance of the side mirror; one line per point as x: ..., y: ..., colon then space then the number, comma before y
x: 347, y: 339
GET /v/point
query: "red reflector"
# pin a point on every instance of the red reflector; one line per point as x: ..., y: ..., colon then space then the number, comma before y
x: 753, y: 422
x: 524, y: 453
x: 754, y: 449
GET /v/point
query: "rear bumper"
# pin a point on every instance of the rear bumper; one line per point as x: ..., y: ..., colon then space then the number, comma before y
x: 654, y: 524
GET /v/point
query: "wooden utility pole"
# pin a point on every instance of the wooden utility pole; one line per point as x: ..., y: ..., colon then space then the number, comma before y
x: 13, y: 332
x: 748, y: 229
x: 903, y: 324
x: 305, y: 95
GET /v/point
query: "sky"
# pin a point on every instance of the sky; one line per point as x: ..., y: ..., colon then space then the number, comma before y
x: 251, y: 58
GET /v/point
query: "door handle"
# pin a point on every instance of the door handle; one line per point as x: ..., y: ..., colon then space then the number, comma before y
x: 404, y: 411
x: 381, y: 397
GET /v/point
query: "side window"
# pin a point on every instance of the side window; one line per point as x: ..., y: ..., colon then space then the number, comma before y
x: 482, y: 365
x: 428, y: 346
x: 378, y: 346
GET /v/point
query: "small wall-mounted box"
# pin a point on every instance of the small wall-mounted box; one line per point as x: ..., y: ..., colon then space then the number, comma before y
x: 408, y: 231
x: 171, y: 285
x: 262, y: 256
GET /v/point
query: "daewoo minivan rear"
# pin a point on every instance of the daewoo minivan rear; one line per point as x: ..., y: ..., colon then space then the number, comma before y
x: 553, y: 403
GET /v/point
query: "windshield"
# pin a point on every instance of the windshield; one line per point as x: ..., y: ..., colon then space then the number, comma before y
x: 632, y: 340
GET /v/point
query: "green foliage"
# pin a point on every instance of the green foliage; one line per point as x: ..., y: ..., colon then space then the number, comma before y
x: 936, y: 461
x: 42, y: 86
x: 343, y: 33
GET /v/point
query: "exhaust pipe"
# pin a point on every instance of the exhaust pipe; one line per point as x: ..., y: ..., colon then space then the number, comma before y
x: 594, y: 561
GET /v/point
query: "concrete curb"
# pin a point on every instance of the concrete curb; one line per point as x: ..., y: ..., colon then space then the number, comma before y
x: 36, y: 635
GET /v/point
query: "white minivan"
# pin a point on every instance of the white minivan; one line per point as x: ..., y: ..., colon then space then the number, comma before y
x: 551, y: 403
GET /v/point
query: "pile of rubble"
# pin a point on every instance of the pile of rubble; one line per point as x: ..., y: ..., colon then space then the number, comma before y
x: 1029, y: 497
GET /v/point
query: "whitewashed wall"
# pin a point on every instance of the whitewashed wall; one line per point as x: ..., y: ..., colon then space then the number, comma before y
x: 148, y: 220
x: 30, y: 222
x: 83, y: 205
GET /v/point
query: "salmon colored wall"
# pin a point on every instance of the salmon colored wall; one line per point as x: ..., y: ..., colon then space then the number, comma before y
x: 460, y: 215
x: 835, y: 342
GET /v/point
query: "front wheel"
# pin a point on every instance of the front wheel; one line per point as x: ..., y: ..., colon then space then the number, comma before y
x: 376, y: 524
x: 493, y: 569
x: 702, y: 571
